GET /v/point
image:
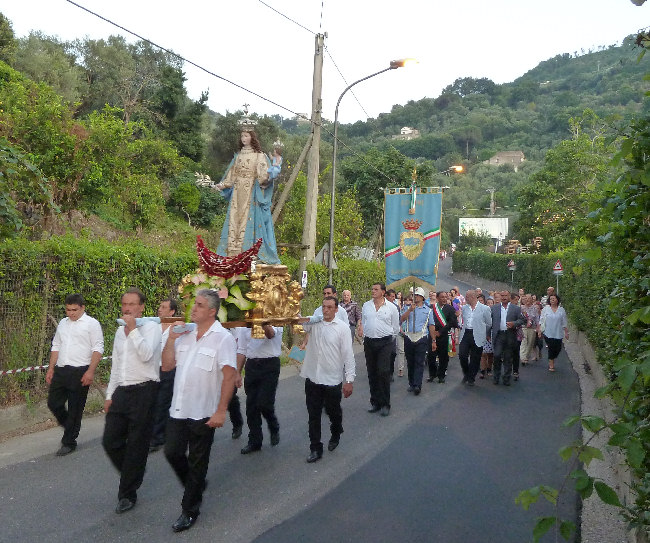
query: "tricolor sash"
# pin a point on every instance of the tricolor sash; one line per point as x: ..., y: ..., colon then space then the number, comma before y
x: 441, y: 317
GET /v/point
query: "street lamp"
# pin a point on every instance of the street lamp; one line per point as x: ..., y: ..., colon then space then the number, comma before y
x: 454, y: 169
x: 394, y: 64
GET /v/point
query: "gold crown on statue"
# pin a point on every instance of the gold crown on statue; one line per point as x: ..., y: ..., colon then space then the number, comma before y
x: 412, y: 224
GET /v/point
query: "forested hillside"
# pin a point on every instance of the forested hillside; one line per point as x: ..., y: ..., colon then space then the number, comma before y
x: 99, y: 137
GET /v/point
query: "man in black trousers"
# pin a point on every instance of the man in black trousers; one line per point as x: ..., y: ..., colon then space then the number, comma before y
x: 166, y: 309
x: 261, y: 360
x: 131, y: 397
x: 444, y: 320
x: 506, y: 317
x: 205, y: 361
x: 77, y: 348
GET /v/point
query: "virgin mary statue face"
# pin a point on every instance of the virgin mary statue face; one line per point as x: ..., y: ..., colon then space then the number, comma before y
x: 245, y: 138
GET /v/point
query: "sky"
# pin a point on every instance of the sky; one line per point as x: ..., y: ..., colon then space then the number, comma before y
x: 249, y: 43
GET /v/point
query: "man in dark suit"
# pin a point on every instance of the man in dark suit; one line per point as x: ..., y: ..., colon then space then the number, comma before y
x: 444, y: 319
x: 506, y: 317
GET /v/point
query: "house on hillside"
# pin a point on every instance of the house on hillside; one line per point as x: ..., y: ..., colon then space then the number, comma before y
x: 506, y: 157
x: 407, y: 133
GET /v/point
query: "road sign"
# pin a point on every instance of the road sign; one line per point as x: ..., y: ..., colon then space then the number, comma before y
x: 511, y: 265
x: 558, y: 269
x: 303, y: 283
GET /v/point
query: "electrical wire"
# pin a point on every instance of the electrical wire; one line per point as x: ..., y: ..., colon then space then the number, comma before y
x: 346, y: 81
x: 198, y: 66
x: 289, y: 18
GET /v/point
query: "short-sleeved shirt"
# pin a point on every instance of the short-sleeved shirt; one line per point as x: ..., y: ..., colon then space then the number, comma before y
x: 199, y: 365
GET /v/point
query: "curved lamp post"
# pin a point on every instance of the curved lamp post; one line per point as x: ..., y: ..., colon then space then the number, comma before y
x: 394, y: 64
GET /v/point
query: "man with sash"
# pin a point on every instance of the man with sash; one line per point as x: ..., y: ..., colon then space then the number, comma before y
x: 442, y: 321
x: 417, y: 318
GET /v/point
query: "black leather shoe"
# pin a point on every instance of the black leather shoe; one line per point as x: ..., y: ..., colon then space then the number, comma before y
x: 470, y: 383
x: 417, y: 390
x: 64, y: 450
x: 374, y: 409
x: 441, y: 379
x: 236, y: 432
x: 250, y: 449
x: 385, y: 411
x: 314, y: 456
x: 184, y: 522
x: 333, y: 443
x: 124, y: 505
x: 275, y: 438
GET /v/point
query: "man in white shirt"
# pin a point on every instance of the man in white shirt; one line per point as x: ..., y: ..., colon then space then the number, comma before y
x: 77, y: 348
x: 379, y: 326
x: 205, y: 362
x: 131, y: 397
x: 261, y: 359
x: 474, y: 333
x: 328, y: 361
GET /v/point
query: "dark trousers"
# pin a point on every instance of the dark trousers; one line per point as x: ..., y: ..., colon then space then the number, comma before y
x: 504, y: 346
x: 442, y: 355
x: 378, y: 353
x: 188, y: 452
x: 415, y: 354
x: 234, y: 410
x: 260, y: 384
x: 554, y: 347
x: 516, y: 357
x: 469, y: 355
x: 66, y: 388
x: 163, y: 402
x: 127, y: 433
x: 318, y: 397
x: 393, y: 356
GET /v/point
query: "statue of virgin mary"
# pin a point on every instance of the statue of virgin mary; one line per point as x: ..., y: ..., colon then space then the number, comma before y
x: 248, y: 185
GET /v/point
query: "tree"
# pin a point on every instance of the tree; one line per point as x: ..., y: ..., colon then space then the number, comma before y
x: 48, y: 60
x: 7, y: 40
x: 557, y: 198
x: 368, y: 174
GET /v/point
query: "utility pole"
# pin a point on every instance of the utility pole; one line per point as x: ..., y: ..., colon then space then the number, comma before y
x: 313, y: 169
x: 492, y: 207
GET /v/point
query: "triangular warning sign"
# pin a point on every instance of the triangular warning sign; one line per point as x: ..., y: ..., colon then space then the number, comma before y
x: 558, y: 266
x: 512, y: 263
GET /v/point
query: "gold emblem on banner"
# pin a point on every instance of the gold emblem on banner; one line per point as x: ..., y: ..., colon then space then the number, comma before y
x: 412, y: 250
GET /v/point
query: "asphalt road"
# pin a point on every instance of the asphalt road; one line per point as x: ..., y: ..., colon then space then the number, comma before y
x: 443, y: 467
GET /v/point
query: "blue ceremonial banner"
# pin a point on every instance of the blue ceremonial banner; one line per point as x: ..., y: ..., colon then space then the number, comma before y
x: 412, y: 235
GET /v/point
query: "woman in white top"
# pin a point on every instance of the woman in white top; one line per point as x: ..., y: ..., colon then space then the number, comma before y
x: 554, y: 326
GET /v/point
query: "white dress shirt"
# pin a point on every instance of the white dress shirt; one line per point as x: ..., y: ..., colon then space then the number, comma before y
x: 199, y: 365
x: 504, y: 313
x: 136, y: 357
x: 341, y: 313
x: 469, y: 317
x: 259, y: 348
x: 329, y: 357
x: 379, y: 323
x: 76, y: 341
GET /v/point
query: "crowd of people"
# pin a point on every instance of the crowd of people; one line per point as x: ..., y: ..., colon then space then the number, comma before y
x: 172, y: 384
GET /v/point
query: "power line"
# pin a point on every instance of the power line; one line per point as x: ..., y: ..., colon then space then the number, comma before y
x: 287, y: 17
x: 346, y: 81
x: 186, y: 60
x: 227, y: 81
